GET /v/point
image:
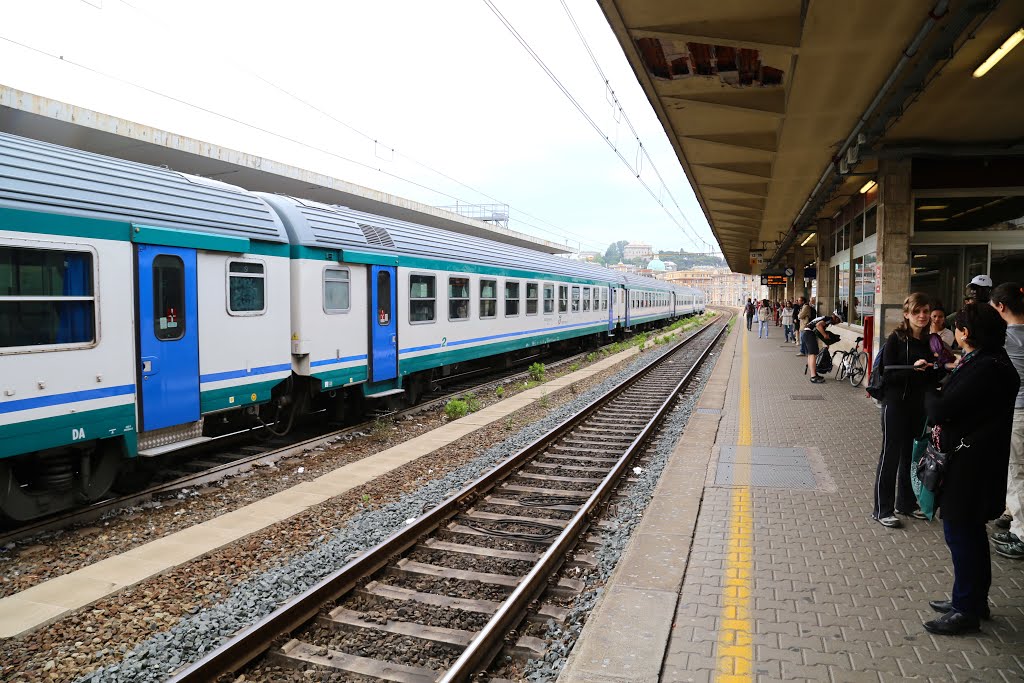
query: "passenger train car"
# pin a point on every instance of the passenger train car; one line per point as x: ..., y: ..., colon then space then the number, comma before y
x: 144, y: 310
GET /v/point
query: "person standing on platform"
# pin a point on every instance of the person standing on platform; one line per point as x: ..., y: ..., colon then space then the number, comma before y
x: 903, y: 394
x: 748, y: 311
x: 764, y: 314
x: 974, y: 415
x: 939, y: 326
x: 1008, y: 300
x: 816, y: 329
x: 804, y: 317
x: 787, y: 323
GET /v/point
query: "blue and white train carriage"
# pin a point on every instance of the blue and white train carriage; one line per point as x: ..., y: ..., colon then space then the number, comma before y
x: 143, y: 310
x: 134, y: 302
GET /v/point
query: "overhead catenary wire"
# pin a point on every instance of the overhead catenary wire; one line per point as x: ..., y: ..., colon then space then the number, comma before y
x: 590, y: 120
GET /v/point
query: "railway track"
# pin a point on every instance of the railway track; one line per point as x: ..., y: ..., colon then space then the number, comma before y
x: 237, y: 453
x: 439, y: 599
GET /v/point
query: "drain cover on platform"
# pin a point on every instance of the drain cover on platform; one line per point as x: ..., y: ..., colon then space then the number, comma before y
x: 764, y: 466
x: 709, y: 411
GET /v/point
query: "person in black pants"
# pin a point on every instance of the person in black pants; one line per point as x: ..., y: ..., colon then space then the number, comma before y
x: 748, y: 311
x: 974, y: 414
x: 903, y: 412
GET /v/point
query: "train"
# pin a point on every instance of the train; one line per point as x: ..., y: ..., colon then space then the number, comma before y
x: 144, y: 310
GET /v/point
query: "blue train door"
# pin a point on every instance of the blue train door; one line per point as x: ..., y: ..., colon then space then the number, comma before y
x: 168, y: 336
x: 383, y: 326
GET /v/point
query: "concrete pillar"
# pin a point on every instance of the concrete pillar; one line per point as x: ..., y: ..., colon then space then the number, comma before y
x: 895, y: 215
x: 826, y: 293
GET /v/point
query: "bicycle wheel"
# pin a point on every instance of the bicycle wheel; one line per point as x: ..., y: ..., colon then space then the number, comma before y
x: 841, y: 365
x: 859, y: 368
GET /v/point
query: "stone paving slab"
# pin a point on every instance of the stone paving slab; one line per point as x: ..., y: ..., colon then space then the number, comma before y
x: 833, y: 595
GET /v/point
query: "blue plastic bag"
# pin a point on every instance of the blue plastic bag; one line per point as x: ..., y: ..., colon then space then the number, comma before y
x: 925, y: 498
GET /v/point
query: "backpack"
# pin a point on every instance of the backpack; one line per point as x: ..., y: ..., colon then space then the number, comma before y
x: 824, y: 362
x: 876, y: 385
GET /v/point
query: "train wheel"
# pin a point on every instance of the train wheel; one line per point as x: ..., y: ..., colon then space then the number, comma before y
x: 37, y: 484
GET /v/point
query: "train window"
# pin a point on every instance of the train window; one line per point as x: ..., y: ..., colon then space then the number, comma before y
x: 488, y: 298
x: 337, y: 290
x: 563, y: 298
x: 458, y: 298
x: 597, y: 298
x: 586, y: 298
x: 604, y: 298
x: 168, y: 297
x: 422, y: 298
x: 383, y: 298
x: 511, y: 297
x: 575, y: 299
x: 549, y: 298
x: 46, y: 297
x: 247, y: 293
x: 532, y: 295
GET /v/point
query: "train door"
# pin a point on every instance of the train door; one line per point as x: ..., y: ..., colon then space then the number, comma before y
x: 611, y: 310
x: 625, y: 301
x: 168, y: 335
x: 673, y: 295
x: 383, y: 324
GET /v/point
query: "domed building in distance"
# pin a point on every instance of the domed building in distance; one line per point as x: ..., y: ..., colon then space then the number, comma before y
x: 657, y: 265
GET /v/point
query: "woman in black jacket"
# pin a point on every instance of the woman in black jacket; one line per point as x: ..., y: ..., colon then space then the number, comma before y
x: 903, y: 412
x: 974, y: 413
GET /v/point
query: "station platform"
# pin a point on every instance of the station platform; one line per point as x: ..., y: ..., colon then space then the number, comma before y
x: 758, y: 560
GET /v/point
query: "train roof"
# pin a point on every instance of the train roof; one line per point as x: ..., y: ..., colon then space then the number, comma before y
x: 312, y: 224
x: 39, y: 176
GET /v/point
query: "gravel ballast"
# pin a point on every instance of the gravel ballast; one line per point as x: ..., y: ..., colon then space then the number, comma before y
x: 193, y: 636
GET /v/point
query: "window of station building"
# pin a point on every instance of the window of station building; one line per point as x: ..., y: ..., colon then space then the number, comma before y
x: 246, y: 288
x: 586, y: 299
x: 563, y: 298
x: 575, y: 299
x: 863, y: 288
x: 870, y: 222
x: 841, y: 273
x: 337, y: 290
x: 532, y: 297
x: 511, y: 298
x: 488, y: 298
x: 549, y: 298
x: 458, y: 298
x: 46, y: 297
x: 989, y: 213
x: 422, y: 299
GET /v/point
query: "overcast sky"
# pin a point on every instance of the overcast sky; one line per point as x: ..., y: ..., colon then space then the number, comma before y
x: 444, y: 83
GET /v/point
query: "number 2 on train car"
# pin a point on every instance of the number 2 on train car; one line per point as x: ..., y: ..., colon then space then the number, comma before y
x: 168, y: 336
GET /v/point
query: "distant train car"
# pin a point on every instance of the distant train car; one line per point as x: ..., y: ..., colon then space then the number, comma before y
x: 144, y: 310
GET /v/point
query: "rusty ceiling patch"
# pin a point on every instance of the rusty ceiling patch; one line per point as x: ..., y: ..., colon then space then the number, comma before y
x: 735, y: 66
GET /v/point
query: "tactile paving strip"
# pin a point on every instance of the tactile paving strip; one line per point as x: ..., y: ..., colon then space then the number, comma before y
x: 769, y: 467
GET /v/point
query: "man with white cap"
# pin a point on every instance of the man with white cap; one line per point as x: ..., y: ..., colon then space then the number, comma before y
x: 979, y: 289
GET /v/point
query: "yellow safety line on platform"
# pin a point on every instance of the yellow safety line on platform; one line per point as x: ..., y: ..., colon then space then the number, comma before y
x: 735, y: 643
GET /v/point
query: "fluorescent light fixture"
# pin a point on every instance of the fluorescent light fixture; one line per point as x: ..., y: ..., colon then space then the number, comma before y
x: 868, y: 186
x: 1000, y: 52
x: 934, y: 220
x: 932, y: 207
x: 807, y: 239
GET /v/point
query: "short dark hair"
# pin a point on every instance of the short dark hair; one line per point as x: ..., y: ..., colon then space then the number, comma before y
x: 985, y: 327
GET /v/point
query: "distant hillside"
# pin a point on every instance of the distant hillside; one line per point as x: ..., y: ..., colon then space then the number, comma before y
x: 683, y: 260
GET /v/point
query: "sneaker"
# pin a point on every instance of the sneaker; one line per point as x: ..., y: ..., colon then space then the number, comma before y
x: 1004, y: 538
x: 1014, y: 551
x: 1003, y: 522
x: 916, y: 514
x: 889, y: 522
x: 817, y: 379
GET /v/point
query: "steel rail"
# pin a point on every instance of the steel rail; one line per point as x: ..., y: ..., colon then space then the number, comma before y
x: 489, y: 641
x: 97, y: 510
x: 256, y: 639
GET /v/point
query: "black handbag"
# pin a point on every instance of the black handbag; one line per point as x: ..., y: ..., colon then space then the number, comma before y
x: 931, y: 468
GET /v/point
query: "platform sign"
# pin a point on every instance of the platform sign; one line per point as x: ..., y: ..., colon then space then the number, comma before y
x: 774, y: 280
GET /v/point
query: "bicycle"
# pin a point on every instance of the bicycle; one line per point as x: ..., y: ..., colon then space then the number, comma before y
x: 853, y: 365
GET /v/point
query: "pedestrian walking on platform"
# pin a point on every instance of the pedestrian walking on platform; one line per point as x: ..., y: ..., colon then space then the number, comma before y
x: 903, y: 417
x: 748, y: 311
x: 1008, y: 300
x: 764, y: 314
x: 787, y: 323
x: 974, y: 414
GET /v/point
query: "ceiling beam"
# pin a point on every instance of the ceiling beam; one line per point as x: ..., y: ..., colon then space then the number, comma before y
x: 746, y: 170
x: 731, y: 143
x: 691, y: 101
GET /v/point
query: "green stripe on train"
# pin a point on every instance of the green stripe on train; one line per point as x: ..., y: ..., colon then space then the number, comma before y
x: 61, y: 430
x: 214, y: 400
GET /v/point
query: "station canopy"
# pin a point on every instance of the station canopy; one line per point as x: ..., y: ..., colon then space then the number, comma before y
x: 760, y: 98
x: 48, y: 120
